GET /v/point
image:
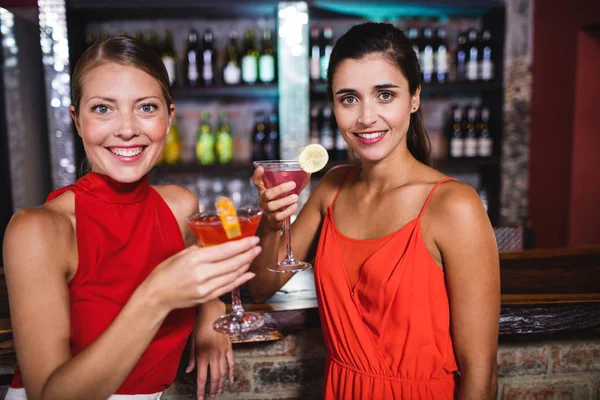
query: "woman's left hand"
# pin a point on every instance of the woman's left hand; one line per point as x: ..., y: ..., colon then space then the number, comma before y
x: 210, y: 348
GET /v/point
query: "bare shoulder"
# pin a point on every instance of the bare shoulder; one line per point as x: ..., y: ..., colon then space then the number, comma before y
x: 330, y: 183
x: 180, y: 200
x: 456, y: 209
x: 35, y: 235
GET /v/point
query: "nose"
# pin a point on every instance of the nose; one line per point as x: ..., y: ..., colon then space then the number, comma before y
x: 127, y: 126
x: 368, y: 114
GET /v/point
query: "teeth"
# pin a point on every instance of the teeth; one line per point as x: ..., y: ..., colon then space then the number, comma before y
x: 370, y: 135
x: 132, y: 152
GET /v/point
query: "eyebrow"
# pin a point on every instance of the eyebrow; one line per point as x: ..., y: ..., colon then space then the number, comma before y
x: 111, y: 100
x: 376, y: 87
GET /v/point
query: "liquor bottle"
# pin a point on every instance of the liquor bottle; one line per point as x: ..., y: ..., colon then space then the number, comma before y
x: 266, y: 61
x: 441, y: 56
x: 457, y: 141
x: 327, y: 134
x: 473, y: 59
x: 341, y: 147
x: 232, y: 72
x: 315, y: 55
x: 89, y: 39
x: 154, y: 42
x: 461, y: 57
x: 192, y: 59
x: 426, y: 58
x: 205, y: 141
x: 272, y: 138
x: 326, y: 48
x: 208, y: 59
x: 471, y: 136
x: 413, y: 35
x: 485, y: 146
x: 224, y: 144
x: 169, y: 58
x: 250, y: 59
x: 315, y: 132
x: 486, y: 65
x: 259, y: 137
x: 172, y: 152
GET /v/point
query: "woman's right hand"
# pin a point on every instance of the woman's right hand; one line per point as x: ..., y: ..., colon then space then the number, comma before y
x: 275, y: 205
x: 196, y: 274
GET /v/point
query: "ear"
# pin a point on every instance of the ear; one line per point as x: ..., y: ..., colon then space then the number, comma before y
x: 75, y: 119
x: 171, y: 116
x: 415, y: 101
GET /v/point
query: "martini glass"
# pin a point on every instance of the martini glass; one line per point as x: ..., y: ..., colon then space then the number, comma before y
x: 276, y: 173
x: 208, y: 228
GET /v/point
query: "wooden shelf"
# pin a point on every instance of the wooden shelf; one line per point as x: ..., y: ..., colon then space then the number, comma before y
x: 435, y: 89
x: 259, y: 90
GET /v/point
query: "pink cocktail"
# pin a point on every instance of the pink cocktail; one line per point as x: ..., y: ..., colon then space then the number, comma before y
x: 276, y: 173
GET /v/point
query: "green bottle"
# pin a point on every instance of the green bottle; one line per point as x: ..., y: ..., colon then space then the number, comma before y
x: 205, y: 141
x: 224, y: 141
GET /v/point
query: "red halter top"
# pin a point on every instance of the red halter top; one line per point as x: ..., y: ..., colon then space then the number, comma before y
x: 123, y: 232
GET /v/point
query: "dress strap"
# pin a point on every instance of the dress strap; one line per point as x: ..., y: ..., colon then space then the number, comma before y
x: 344, y: 181
x: 431, y: 193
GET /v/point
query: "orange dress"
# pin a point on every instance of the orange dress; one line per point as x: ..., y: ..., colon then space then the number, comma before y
x: 388, y: 335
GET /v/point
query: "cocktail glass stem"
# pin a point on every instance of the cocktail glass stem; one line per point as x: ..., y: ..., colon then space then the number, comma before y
x: 287, y: 231
x: 236, y: 304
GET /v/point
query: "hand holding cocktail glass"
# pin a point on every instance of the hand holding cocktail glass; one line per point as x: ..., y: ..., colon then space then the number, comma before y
x: 218, y: 226
x: 278, y: 193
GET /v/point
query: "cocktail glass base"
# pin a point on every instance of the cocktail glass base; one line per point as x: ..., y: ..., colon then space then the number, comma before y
x: 289, y: 267
x: 232, y: 323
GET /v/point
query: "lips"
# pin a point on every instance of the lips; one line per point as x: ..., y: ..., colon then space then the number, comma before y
x: 370, y: 137
x: 129, y: 153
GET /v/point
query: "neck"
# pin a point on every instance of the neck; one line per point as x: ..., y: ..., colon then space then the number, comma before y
x: 393, y: 171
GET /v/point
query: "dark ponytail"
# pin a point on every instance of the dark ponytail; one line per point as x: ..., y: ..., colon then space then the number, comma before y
x: 368, y: 38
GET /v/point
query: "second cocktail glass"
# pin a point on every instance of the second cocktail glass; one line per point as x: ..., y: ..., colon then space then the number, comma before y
x: 276, y: 173
x: 209, y: 230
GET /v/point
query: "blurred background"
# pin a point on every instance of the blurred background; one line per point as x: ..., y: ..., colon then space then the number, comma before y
x: 509, y: 97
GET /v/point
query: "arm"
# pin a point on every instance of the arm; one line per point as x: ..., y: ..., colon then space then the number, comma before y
x: 208, y: 348
x: 41, y: 322
x: 467, y: 244
x: 305, y: 229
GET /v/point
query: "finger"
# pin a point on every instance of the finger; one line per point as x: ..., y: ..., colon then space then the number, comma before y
x: 201, y: 377
x: 215, y: 376
x: 231, y: 364
x: 257, y: 178
x: 221, y: 288
x: 192, y: 360
x: 279, y: 190
x: 229, y: 269
x: 283, y: 202
x: 223, y: 251
x: 223, y: 373
x: 287, y: 212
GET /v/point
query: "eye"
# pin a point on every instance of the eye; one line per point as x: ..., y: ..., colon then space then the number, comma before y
x: 386, y: 96
x: 148, y: 108
x: 100, y: 108
x: 348, y: 100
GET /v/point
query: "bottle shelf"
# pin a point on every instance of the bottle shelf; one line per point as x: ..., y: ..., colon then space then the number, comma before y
x: 465, y: 163
x: 231, y: 169
x: 258, y: 90
x: 435, y: 89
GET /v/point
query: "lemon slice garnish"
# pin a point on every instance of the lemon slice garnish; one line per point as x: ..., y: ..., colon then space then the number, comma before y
x: 313, y: 158
x: 228, y: 217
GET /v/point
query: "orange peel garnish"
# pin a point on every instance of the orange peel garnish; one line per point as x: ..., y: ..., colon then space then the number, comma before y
x: 228, y: 217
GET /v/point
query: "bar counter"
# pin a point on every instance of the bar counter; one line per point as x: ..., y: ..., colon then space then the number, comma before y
x: 549, y: 342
